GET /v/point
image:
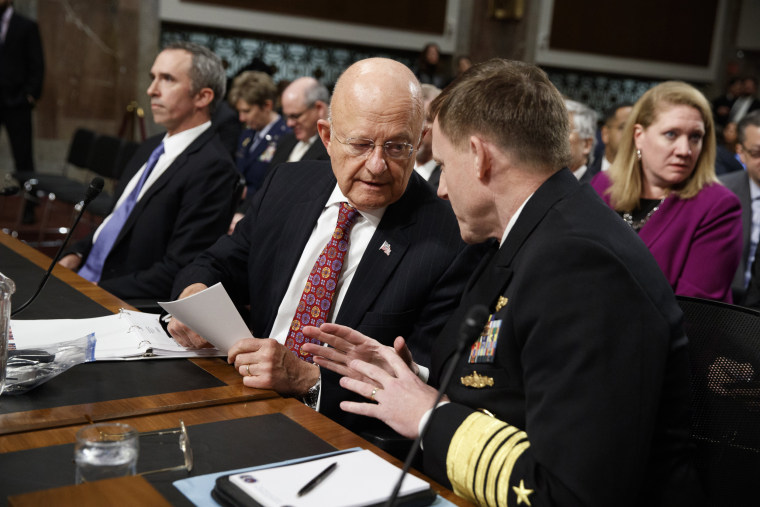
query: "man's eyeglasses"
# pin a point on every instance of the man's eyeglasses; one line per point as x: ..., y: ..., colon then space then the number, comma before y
x: 297, y: 116
x: 752, y: 153
x: 358, y: 147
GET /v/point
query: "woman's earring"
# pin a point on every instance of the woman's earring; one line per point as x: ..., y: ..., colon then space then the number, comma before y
x: 638, y: 154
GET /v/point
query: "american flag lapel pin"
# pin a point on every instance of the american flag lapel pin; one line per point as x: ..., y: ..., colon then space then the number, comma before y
x: 386, y: 248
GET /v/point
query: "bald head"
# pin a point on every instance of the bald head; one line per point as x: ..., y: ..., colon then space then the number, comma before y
x: 376, y: 84
x: 374, y: 128
x: 304, y: 103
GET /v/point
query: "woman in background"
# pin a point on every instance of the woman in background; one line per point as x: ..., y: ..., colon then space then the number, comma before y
x: 663, y: 184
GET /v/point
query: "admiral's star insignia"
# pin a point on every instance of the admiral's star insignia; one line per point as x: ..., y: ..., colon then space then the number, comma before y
x: 522, y: 493
x: 501, y: 303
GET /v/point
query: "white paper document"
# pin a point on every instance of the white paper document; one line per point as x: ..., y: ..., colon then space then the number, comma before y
x: 360, y: 478
x: 125, y: 335
x: 212, y: 315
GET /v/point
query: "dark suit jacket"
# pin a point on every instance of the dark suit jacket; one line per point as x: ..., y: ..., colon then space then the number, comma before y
x: 725, y: 162
x: 316, y: 151
x: 255, y: 164
x: 738, y: 183
x: 410, y: 292
x: 180, y: 215
x: 21, y: 62
x: 590, y: 363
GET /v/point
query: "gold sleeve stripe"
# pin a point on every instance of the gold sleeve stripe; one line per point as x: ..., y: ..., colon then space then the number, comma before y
x: 481, y: 457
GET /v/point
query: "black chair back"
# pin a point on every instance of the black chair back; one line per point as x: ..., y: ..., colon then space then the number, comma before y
x: 724, y: 350
x: 103, y: 156
x: 80, y: 146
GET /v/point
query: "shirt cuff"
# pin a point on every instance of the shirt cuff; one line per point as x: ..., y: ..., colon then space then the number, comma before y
x: 426, y: 416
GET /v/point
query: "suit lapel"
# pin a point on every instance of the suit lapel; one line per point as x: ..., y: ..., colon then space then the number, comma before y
x: 164, y: 179
x: 376, y: 266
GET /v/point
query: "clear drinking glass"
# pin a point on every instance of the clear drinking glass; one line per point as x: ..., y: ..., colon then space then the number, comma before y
x: 7, y: 288
x: 105, y: 450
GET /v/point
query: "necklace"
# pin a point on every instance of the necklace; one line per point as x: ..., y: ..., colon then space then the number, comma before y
x: 638, y: 224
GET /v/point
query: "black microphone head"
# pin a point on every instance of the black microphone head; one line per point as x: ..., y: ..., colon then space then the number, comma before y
x: 473, y: 323
x: 96, y: 186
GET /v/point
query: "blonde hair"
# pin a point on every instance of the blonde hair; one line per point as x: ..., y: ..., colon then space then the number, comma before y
x: 625, y: 173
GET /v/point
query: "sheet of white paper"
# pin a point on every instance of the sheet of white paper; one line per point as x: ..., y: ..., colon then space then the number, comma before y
x: 361, y: 478
x: 212, y: 315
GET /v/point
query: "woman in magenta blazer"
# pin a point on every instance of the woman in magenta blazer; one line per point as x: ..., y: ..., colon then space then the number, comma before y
x: 663, y: 184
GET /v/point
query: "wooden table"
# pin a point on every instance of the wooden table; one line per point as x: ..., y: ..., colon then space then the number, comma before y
x: 137, y: 489
x: 16, y: 422
x: 52, y: 426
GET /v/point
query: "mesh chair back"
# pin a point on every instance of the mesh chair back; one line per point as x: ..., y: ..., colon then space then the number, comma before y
x: 105, y: 151
x: 724, y: 350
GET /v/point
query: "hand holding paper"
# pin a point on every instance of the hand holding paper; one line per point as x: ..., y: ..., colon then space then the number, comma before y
x: 211, y: 314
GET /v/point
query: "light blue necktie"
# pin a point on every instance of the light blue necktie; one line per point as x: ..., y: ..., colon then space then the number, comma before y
x: 93, y: 268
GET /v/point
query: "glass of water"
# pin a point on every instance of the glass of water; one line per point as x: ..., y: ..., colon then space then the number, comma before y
x: 105, y: 450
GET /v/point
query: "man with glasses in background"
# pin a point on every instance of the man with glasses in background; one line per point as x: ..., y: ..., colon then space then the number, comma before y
x: 304, y: 102
x: 393, y: 265
x: 746, y: 186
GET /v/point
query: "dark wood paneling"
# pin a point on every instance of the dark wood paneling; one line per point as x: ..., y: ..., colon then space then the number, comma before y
x: 428, y: 16
x: 673, y: 31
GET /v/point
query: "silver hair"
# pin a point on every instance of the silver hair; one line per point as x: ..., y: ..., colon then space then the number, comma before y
x: 316, y: 92
x: 584, y: 121
x: 206, y: 70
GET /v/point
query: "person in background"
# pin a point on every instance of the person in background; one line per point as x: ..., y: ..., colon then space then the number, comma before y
x: 746, y: 186
x: 582, y: 138
x: 304, y: 102
x: 567, y: 396
x: 424, y: 163
x: 22, y: 69
x: 663, y: 184
x: 429, y: 69
x: 610, y: 134
x: 254, y: 94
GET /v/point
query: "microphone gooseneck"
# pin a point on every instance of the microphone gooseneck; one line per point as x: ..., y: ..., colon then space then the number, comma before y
x: 471, y: 326
x: 96, y: 186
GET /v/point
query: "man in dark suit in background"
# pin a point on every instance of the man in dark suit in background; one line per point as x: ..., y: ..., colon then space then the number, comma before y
x: 176, y: 195
x: 22, y: 69
x: 611, y: 132
x: 746, y: 186
x: 562, y: 398
x: 304, y: 102
x: 404, y: 266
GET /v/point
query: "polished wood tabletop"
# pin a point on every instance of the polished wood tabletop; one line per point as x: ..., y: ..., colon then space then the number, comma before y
x: 84, y: 286
x: 313, y: 421
x: 233, y: 391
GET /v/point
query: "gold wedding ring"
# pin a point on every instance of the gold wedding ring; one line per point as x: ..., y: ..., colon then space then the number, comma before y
x: 372, y: 396
x: 248, y: 369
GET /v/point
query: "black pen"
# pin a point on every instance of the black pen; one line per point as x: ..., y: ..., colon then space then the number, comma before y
x: 316, y: 480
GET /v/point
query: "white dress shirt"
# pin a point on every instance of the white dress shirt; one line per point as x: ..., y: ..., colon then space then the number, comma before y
x: 300, y: 149
x: 426, y: 170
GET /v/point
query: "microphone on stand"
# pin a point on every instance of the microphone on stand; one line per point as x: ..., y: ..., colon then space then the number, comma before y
x: 96, y: 186
x: 9, y: 191
x: 472, y: 326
